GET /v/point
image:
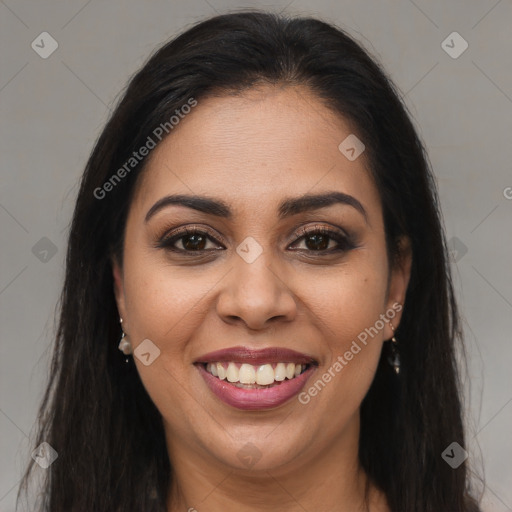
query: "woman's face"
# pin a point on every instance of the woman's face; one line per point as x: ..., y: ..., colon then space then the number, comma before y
x: 258, y: 282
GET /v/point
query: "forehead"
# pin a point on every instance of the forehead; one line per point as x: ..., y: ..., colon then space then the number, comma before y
x: 254, y: 148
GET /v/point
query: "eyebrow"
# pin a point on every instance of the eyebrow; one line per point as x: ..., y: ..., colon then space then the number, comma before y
x: 287, y: 208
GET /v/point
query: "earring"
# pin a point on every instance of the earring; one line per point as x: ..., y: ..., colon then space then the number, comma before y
x: 124, y: 345
x: 394, y: 355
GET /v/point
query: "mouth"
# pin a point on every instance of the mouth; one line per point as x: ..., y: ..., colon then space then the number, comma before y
x: 255, y: 379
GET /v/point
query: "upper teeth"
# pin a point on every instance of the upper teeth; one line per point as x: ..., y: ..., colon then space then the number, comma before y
x: 248, y: 374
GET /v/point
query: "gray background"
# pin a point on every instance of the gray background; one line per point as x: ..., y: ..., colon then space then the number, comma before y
x: 53, y: 109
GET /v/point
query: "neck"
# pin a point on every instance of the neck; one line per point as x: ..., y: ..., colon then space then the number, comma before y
x: 331, y: 479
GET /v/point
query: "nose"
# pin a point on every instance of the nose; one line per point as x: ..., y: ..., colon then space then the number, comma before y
x: 255, y: 294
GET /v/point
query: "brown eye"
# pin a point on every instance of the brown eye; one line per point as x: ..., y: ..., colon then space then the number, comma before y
x: 317, y: 241
x: 188, y: 240
x: 320, y: 240
x: 193, y: 242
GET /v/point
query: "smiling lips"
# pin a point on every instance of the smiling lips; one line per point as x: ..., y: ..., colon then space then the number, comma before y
x: 255, y: 379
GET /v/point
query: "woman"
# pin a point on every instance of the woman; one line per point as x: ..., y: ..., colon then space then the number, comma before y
x: 258, y: 312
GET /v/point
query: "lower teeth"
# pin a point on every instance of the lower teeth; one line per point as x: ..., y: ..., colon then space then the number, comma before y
x: 259, y: 386
x: 253, y: 386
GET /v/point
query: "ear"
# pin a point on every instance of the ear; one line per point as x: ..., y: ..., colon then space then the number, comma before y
x: 119, y: 287
x: 399, y: 281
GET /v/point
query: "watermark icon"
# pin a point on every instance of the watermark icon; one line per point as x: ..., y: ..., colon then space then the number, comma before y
x: 507, y: 192
x: 44, y: 455
x: 457, y: 249
x: 351, y: 147
x: 454, y: 455
x: 249, y: 250
x: 146, y: 352
x: 44, y: 45
x: 454, y: 45
x: 44, y: 250
x: 158, y: 133
x: 249, y: 454
x: 342, y: 361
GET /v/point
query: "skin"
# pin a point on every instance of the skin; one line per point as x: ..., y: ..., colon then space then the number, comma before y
x: 252, y: 151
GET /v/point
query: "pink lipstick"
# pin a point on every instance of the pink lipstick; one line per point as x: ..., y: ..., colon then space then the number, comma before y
x: 255, y: 379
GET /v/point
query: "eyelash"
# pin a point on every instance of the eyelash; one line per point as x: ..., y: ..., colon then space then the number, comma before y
x: 345, y: 242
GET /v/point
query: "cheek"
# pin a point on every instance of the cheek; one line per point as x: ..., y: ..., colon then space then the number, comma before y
x: 165, y: 307
x: 347, y: 309
x: 348, y: 301
x: 162, y: 303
